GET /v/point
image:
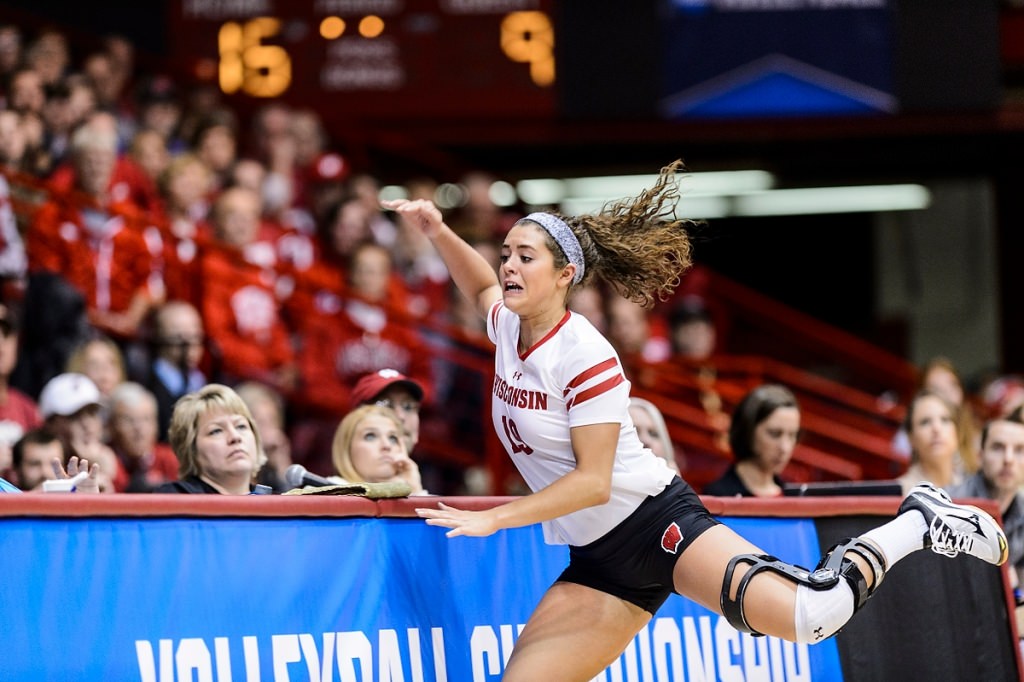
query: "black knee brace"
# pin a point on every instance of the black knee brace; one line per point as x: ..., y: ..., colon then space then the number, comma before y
x: 833, y: 566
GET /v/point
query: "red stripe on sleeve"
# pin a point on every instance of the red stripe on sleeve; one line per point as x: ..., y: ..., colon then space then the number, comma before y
x: 589, y: 374
x: 603, y: 387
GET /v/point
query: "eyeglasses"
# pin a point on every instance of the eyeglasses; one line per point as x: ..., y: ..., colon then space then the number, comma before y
x: 410, y: 406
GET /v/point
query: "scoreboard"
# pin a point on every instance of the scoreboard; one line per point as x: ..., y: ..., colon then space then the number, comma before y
x: 375, y: 60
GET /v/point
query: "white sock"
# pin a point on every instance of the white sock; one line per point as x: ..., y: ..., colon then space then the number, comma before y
x: 900, y: 537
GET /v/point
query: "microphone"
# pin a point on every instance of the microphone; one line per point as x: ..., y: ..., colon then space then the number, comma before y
x: 297, y: 476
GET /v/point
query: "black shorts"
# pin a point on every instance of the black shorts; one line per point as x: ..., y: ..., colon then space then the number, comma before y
x: 634, y: 560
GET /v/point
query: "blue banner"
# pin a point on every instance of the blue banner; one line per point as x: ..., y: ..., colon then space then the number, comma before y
x: 332, y: 599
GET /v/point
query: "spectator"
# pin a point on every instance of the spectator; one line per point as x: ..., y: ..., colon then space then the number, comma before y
x: 940, y: 375
x: 101, y: 360
x: 763, y: 433
x: 33, y: 454
x: 69, y: 236
x: 184, y: 187
x: 160, y: 111
x: 318, y: 174
x: 932, y: 428
x: 99, y: 68
x: 215, y: 142
x: 49, y: 55
x: 368, y: 333
x: 268, y: 412
x: 217, y: 444
x: 635, y: 331
x: 269, y: 130
x: 143, y: 463
x: 70, y: 405
x: 365, y: 189
x: 18, y: 412
x: 39, y: 457
x: 83, y: 97
x: 1002, y: 394
x: 692, y: 330
x: 126, y: 187
x: 1000, y: 478
x: 324, y: 189
x: 241, y: 308
x: 60, y: 120
x: 694, y: 337
x: 369, y: 447
x: 149, y: 151
x: 589, y: 301
x: 175, y: 358
x: 290, y: 246
x: 26, y: 91
x: 12, y: 143
x: 391, y: 388
x: 13, y: 260
x: 652, y: 430
x: 10, y: 50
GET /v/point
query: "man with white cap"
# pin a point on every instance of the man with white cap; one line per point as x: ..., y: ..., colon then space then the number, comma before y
x: 70, y: 406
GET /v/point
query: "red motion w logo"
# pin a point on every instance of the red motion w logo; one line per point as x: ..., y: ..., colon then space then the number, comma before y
x: 512, y: 432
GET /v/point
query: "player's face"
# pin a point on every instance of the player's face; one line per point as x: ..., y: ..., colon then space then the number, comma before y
x: 527, y: 273
x: 376, y: 448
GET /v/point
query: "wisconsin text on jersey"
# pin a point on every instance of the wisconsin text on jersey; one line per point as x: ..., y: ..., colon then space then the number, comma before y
x: 519, y: 397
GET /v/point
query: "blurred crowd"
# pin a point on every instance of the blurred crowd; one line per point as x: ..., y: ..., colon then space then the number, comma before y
x: 156, y: 240
x: 152, y: 234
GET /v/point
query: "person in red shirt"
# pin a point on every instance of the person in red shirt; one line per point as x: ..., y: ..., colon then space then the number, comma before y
x: 127, y: 184
x: 242, y: 297
x: 344, y: 335
x: 184, y: 187
x: 369, y: 332
x: 94, y: 241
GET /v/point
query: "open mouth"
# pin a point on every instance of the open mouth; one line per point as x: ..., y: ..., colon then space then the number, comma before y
x: 512, y: 286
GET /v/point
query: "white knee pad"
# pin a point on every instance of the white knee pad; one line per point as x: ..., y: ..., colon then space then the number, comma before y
x: 820, y: 613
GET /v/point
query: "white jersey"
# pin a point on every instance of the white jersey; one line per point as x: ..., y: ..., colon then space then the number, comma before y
x: 571, y: 377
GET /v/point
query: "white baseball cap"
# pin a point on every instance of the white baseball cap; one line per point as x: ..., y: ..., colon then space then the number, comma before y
x: 66, y: 394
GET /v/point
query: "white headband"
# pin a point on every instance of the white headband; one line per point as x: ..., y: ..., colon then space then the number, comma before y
x: 563, y: 236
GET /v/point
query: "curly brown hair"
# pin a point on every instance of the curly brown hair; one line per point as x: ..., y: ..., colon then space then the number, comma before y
x: 637, y: 245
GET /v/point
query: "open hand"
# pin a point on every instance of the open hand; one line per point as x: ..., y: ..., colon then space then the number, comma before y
x: 89, y: 484
x: 461, y: 522
x: 420, y: 213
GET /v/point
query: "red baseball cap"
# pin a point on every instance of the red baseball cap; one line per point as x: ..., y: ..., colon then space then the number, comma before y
x: 372, y: 385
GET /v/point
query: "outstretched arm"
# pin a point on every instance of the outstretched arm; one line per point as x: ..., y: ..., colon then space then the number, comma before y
x: 587, y: 485
x: 473, y: 275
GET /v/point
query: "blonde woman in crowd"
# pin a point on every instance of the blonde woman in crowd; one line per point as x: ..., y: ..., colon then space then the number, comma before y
x: 369, y: 447
x: 217, y: 443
